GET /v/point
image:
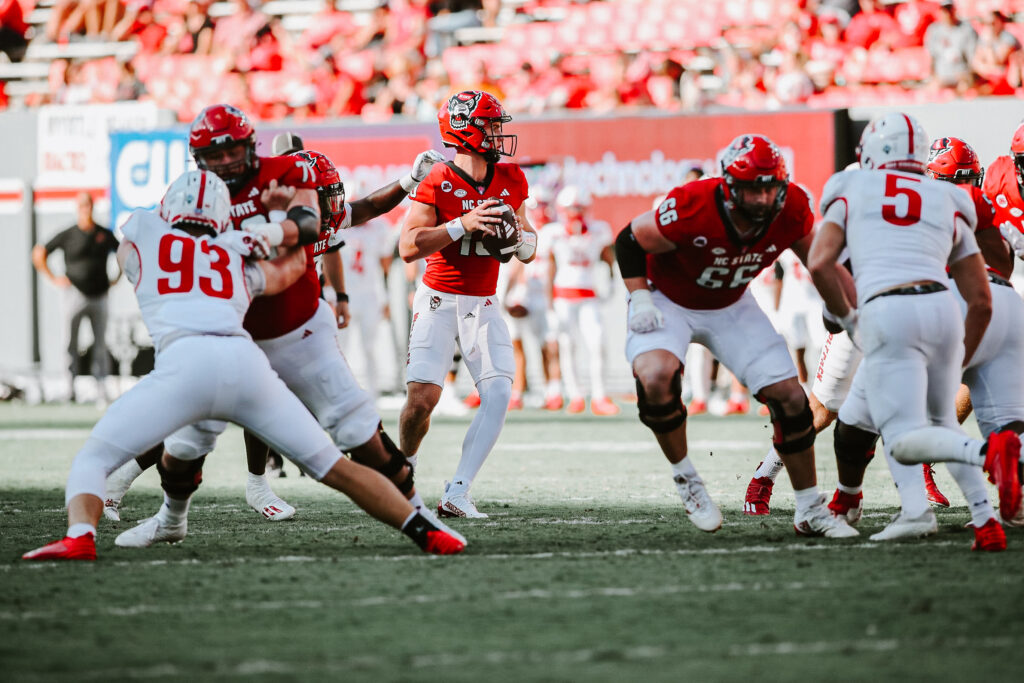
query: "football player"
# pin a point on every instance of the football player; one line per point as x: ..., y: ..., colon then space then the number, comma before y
x: 194, y: 282
x: 1004, y: 185
x: 295, y: 328
x: 902, y: 230
x: 687, y: 266
x: 578, y: 243
x: 453, y: 209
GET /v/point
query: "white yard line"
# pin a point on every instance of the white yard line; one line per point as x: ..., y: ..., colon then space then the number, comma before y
x: 644, y: 445
x: 44, y: 433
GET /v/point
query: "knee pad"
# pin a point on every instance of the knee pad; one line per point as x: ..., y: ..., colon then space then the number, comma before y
x: 852, y: 445
x: 789, y: 437
x: 184, y: 483
x: 394, y: 464
x: 661, y: 418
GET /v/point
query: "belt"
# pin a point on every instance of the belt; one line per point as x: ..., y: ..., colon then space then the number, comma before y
x: 997, y: 280
x: 929, y: 288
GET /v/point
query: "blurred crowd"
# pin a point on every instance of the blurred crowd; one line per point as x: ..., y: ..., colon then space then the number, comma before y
x: 403, y: 56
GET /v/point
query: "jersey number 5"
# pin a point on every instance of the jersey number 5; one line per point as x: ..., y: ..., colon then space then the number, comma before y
x: 893, y: 191
x: 181, y: 262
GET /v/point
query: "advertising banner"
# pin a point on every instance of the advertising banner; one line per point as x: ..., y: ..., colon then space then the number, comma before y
x: 142, y: 165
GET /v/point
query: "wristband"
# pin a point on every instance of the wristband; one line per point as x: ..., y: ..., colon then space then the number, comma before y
x: 455, y: 229
x: 272, y: 231
x: 408, y: 183
x: 342, y: 297
x: 277, y: 216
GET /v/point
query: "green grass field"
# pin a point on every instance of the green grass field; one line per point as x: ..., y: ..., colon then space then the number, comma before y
x: 587, y: 570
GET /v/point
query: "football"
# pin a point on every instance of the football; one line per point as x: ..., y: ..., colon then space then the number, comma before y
x: 503, y: 245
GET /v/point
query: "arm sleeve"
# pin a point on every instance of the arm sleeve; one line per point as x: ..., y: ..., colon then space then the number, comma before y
x: 255, y: 280
x: 132, y: 265
x: 56, y: 242
x: 834, y: 193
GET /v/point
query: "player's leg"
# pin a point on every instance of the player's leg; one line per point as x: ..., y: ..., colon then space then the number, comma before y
x: 176, y: 393
x: 591, y: 330
x: 75, y: 302
x: 656, y: 359
x: 96, y: 310
x: 545, y: 329
x: 258, y: 493
x: 432, y: 346
x: 833, y: 377
x: 491, y: 368
x: 568, y: 335
x: 767, y: 369
x: 121, y: 479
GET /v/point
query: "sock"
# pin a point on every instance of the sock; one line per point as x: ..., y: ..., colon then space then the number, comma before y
x: 909, y: 480
x: 258, y: 481
x: 684, y: 468
x: 770, y: 466
x: 938, y: 444
x: 174, y: 511
x: 852, y: 490
x: 81, y: 529
x: 554, y: 388
x: 972, y: 484
x: 412, y: 461
x: 417, y: 501
x: 417, y: 527
x: 486, y: 426
x: 130, y: 469
x: 806, y: 498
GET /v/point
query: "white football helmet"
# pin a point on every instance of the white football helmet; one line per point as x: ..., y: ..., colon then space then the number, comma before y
x: 573, y: 195
x: 897, y: 142
x: 198, y: 199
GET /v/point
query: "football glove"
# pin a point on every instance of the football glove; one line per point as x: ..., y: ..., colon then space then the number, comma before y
x: 1014, y: 236
x: 644, y: 316
x: 420, y: 168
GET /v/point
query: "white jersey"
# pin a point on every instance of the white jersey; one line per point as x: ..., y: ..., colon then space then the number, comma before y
x: 365, y: 246
x: 189, y: 285
x: 900, y: 227
x: 575, y: 256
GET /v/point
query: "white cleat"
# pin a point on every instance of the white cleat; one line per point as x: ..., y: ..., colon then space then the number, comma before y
x: 150, y: 531
x: 264, y: 501
x: 456, y: 502
x: 819, y: 520
x: 902, y: 526
x: 429, y: 516
x: 110, y: 511
x: 701, y: 510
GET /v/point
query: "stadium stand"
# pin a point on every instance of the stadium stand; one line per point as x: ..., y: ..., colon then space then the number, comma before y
x: 313, y: 59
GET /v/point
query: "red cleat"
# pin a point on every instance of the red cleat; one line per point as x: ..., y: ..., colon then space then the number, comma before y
x: 935, y: 496
x: 553, y: 403
x: 67, y: 548
x: 697, y: 407
x: 847, y: 505
x: 990, y: 537
x: 603, y: 406
x: 577, y: 405
x: 759, y: 494
x: 515, y: 403
x: 473, y: 400
x: 1001, y: 464
x: 442, y: 543
x: 737, y: 407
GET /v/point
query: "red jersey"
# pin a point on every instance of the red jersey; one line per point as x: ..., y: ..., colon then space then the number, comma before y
x: 711, y: 266
x: 465, y: 267
x: 1001, y: 187
x: 273, y: 316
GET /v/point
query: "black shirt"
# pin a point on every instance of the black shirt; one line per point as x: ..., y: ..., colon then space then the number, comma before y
x: 85, y: 257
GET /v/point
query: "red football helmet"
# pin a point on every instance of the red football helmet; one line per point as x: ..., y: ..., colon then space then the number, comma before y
x: 752, y: 162
x: 220, y: 127
x: 466, y: 120
x: 1017, y: 152
x: 953, y: 160
x: 329, y: 188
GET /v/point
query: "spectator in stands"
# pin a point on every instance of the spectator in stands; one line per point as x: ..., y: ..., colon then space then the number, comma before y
x: 129, y: 87
x: 326, y: 26
x: 870, y: 25
x: 913, y: 18
x: 997, y: 57
x: 87, y: 247
x: 265, y: 52
x: 13, y: 30
x: 787, y: 82
x: 827, y: 51
x: 448, y: 16
x: 233, y: 33
x: 193, y: 35
x: 951, y: 43
x: 72, y: 87
x: 140, y: 24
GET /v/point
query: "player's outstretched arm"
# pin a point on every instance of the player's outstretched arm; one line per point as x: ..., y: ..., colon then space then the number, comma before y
x: 281, y: 272
x: 421, y: 238
x: 971, y: 279
x: 822, y: 262
x: 388, y: 197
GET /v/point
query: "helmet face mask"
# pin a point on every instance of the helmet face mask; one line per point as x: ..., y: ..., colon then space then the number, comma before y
x: 472, y: 120
x: 755, y: 179
x: 1017, y: 152
x: 330, y: 191
x: 894, y: 142
x: 954, y: 161
x: 223, y: 134
x: 197, y: 199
